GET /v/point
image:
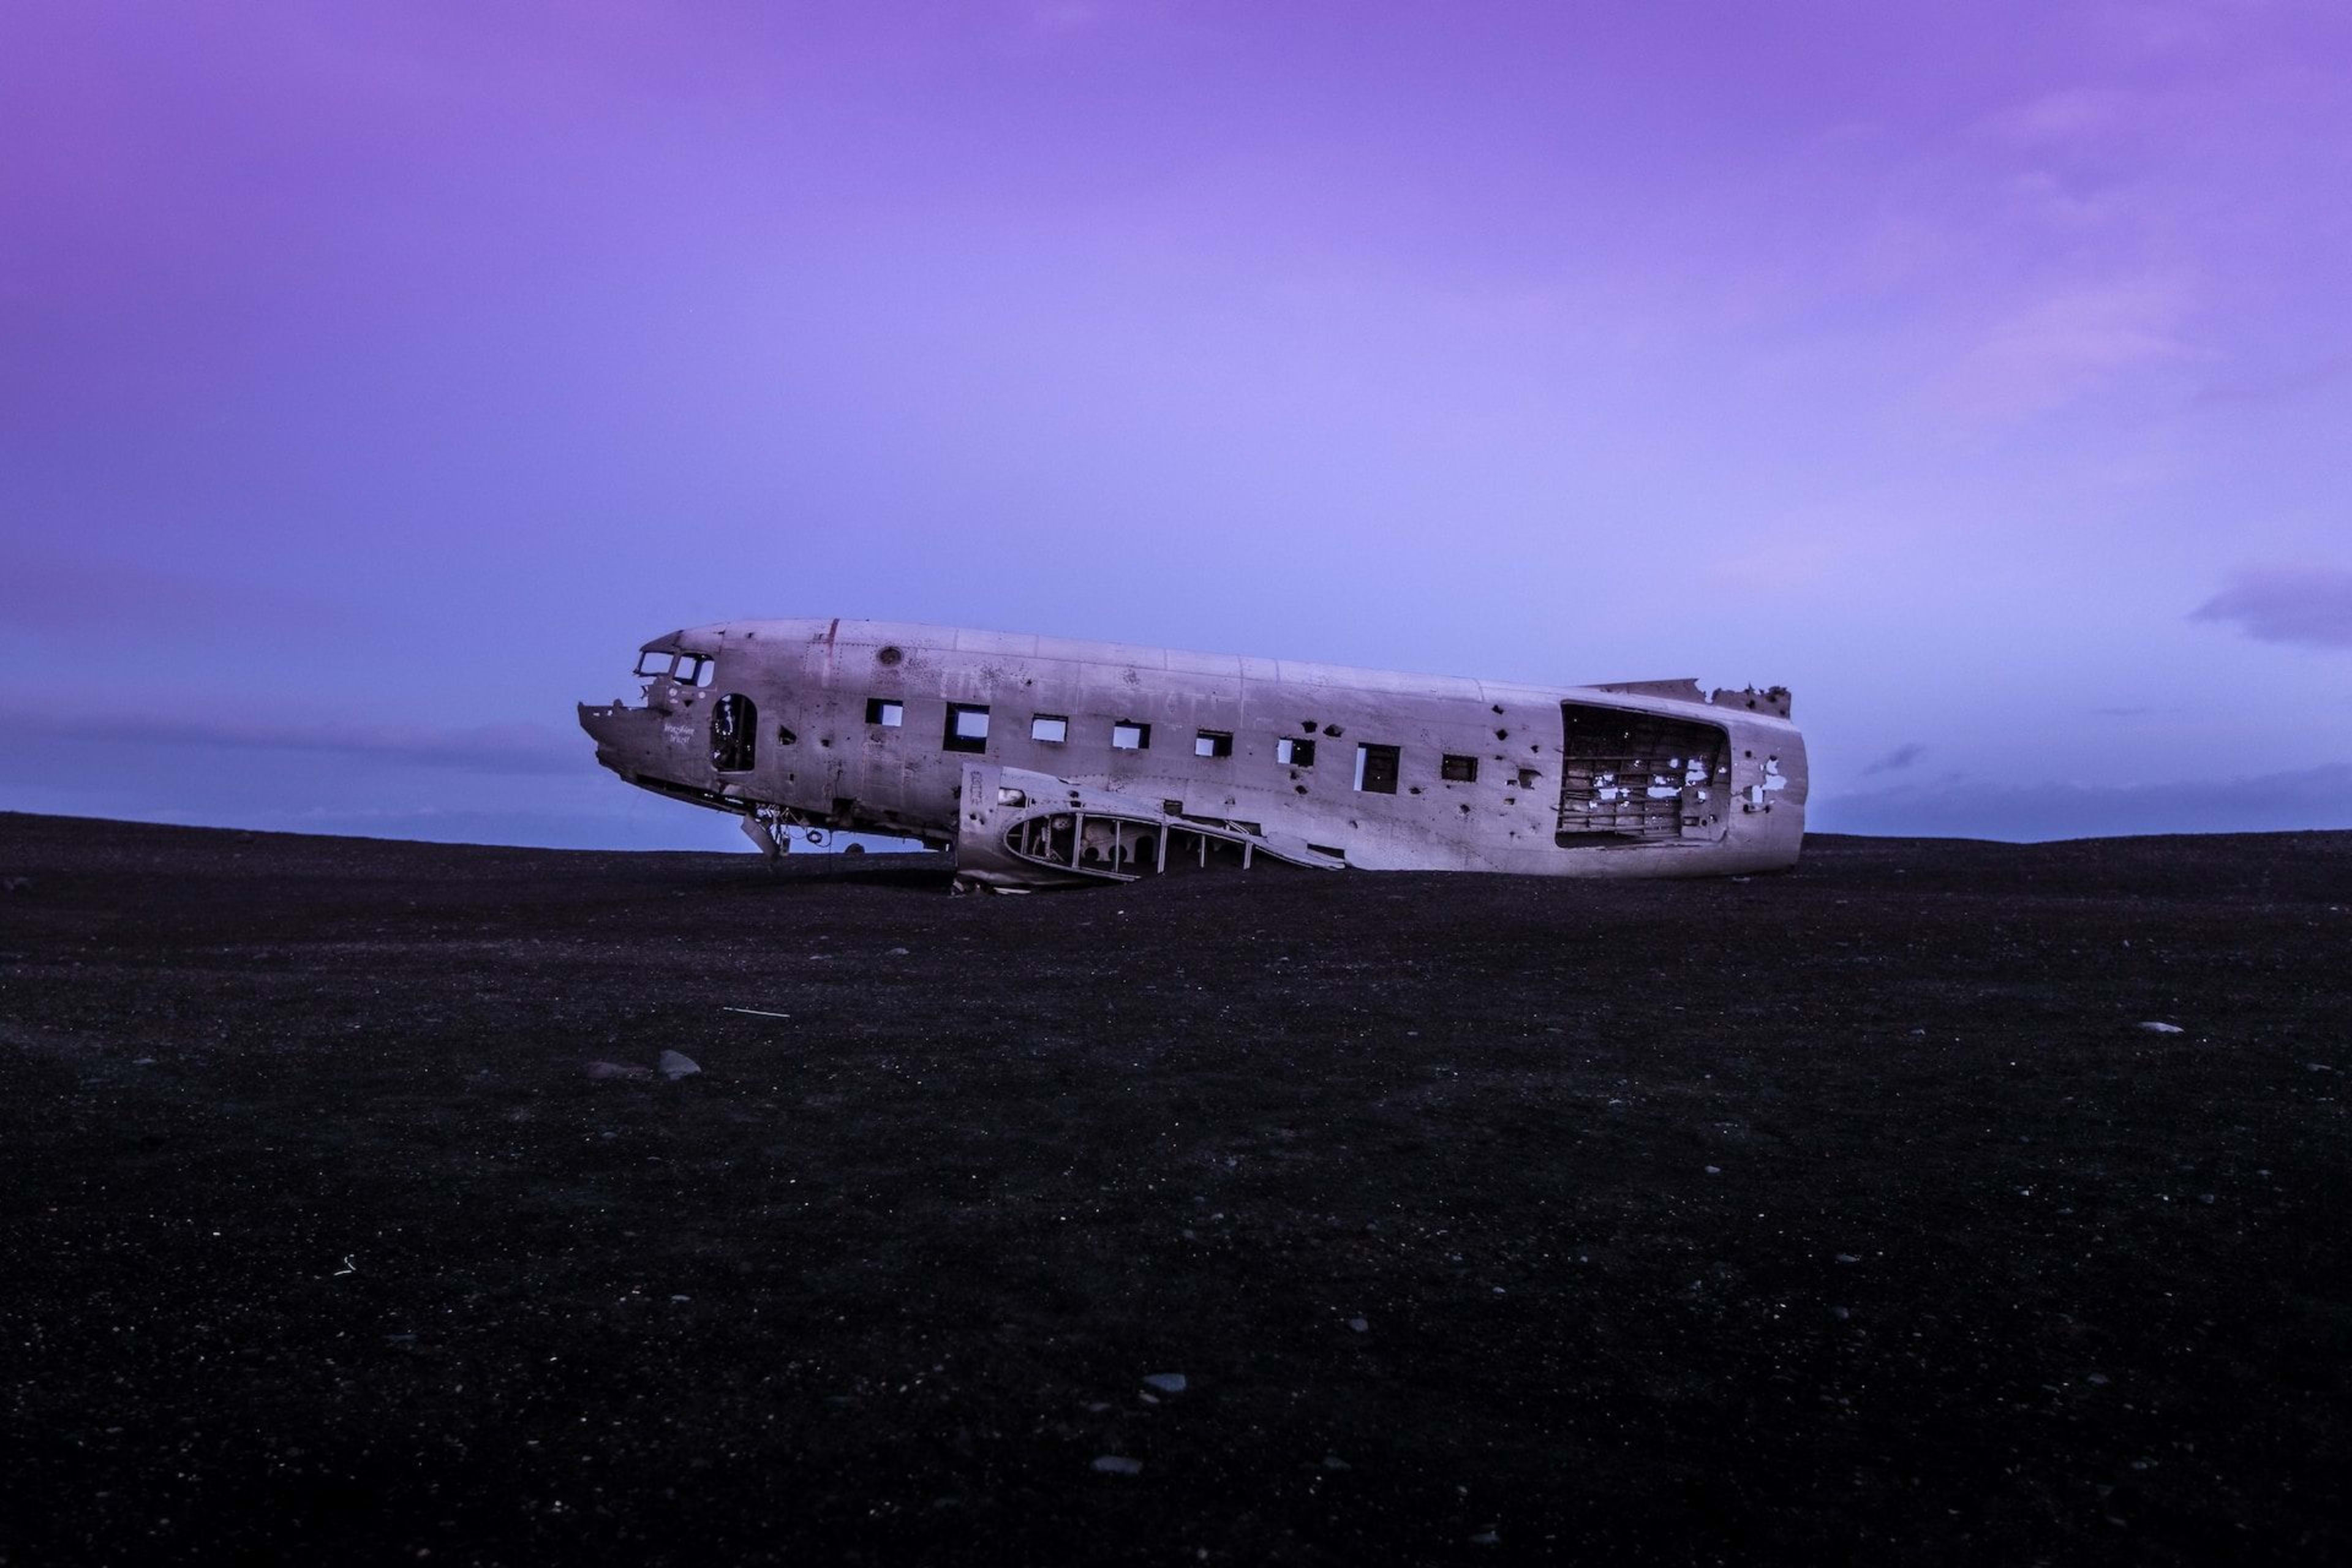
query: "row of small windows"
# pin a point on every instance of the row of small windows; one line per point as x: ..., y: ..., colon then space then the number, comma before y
x: 967, y: 731
x: 966, y: 726
x: 1377, y: 766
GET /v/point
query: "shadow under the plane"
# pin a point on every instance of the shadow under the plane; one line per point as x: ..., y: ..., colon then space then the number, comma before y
x: 895, y: 869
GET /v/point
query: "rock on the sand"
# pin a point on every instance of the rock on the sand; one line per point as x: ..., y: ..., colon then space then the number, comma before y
x: 675, y: 1065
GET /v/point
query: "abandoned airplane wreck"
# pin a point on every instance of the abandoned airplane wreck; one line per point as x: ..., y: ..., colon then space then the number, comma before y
x: 1044, y: 763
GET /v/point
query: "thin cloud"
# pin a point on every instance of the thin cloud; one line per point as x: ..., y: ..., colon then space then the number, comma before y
x: 2281, y: 387
x: 489, y: 748
x: 2069, y: 343
x: 2067, y: 115
x: 1896, y: 760
x: 2309, y: 606
x: 59, y: 594
x: 1064, y: 15
x: 1958, y: 807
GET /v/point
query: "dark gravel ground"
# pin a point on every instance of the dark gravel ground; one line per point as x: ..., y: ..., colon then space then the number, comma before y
x: 1849, y: 1215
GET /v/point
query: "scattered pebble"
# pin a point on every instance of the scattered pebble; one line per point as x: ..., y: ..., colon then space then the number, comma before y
x: 1360, y: 1325
x: 1715, y: 1170
x: 1489, y: 1537
x: 1118, y: 1465
x: 2156, y: 1029
x: 900, y: 953
x: 675, y: 1065
x: 1166, y: 1381
x: 1848, y: 1257
x: 1334, y: 1462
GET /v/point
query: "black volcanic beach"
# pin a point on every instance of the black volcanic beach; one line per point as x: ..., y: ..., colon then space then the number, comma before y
x: 1857, y: 1215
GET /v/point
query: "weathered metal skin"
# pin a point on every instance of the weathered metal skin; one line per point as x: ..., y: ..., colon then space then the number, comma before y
x: 1046, y: 763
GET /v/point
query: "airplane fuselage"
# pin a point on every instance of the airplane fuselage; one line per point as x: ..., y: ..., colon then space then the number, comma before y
x: 1043, y: 761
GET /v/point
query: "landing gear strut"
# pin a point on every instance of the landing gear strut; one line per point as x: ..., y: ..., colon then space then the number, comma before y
x: 765, y: 828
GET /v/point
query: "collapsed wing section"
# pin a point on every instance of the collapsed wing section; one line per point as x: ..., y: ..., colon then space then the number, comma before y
x: 1019, y: 829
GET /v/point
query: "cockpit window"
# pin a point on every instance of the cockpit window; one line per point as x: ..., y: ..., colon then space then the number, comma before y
x: 693, y: 669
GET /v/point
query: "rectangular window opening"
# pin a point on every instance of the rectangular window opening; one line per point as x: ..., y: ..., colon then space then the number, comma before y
x: 1376, y: 769
x: 1051, y: 728
x: 655, y: 661
x: 1292, y: 752
x: 882, y: 711
x: 1212, y: 743
x: 967, y: 728
x: 1129, y: 736
x: 1458, y: 770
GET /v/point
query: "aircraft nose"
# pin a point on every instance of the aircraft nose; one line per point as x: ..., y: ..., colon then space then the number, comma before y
x: 598, y: 723
x: 617, y: 731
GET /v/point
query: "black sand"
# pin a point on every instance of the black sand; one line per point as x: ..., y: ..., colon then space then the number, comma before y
x: 1846, y: 1216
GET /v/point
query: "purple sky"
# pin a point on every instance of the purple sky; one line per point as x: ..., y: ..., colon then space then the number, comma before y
x: 374, y: 379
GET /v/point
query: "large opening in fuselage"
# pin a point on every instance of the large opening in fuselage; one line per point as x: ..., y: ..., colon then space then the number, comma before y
x: 734, y: 735
x: 1628, y: 777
